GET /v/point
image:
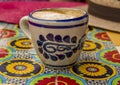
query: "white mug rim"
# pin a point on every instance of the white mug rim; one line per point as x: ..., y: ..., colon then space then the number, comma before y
x: 62, y: 20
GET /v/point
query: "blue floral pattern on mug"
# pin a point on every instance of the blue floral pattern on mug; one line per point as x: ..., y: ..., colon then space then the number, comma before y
x: 56, y: 47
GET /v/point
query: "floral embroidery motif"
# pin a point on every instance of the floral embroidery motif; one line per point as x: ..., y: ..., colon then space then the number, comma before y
x: 21, y: 43
x: 92, y: 46
x: 63, y: 79
x: 6, y: 53
x: 110, y: 56
x: 93, y: 70
x: 20, y: 68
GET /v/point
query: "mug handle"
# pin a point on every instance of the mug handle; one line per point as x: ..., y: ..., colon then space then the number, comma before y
x: 25, y: 26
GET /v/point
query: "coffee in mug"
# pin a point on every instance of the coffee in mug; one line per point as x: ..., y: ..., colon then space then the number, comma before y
x: 57, y: 14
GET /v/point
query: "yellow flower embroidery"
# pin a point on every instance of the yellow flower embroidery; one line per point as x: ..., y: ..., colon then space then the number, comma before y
x: 20, y: 68
x: 24, y: 43
x: 92, y: 69
x: 89, y: 45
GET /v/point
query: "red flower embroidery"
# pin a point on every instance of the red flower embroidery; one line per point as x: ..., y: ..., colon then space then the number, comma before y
x: 118, y: 83
x: 5, y: 33
x: 112, y: 56
x: 102, y: 36
x: 61, y: 81
x: 3, y: 52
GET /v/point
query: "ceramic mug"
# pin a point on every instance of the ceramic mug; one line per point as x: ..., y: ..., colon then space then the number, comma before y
x: 58, y: 43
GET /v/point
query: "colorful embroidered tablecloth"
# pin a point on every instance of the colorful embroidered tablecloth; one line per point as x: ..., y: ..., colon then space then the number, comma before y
x: 98, y: 63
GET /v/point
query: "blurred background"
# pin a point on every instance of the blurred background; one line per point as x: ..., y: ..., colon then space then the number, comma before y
x: 70, y: 0
x: 48, y: 0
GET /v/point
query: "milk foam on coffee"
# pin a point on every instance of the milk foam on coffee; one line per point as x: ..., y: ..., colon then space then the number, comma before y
x: 58, y: 14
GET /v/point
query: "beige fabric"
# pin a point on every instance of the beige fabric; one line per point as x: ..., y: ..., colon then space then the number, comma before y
x: 109, y: 25
x: 110, y: 3
x: 99, y: 22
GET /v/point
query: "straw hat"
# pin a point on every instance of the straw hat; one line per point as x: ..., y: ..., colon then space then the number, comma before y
x: 104, y: 14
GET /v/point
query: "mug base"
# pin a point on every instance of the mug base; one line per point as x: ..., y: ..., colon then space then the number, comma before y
x: 59, y: 66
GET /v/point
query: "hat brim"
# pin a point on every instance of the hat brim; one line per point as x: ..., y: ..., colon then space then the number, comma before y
x: 102, y: 23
